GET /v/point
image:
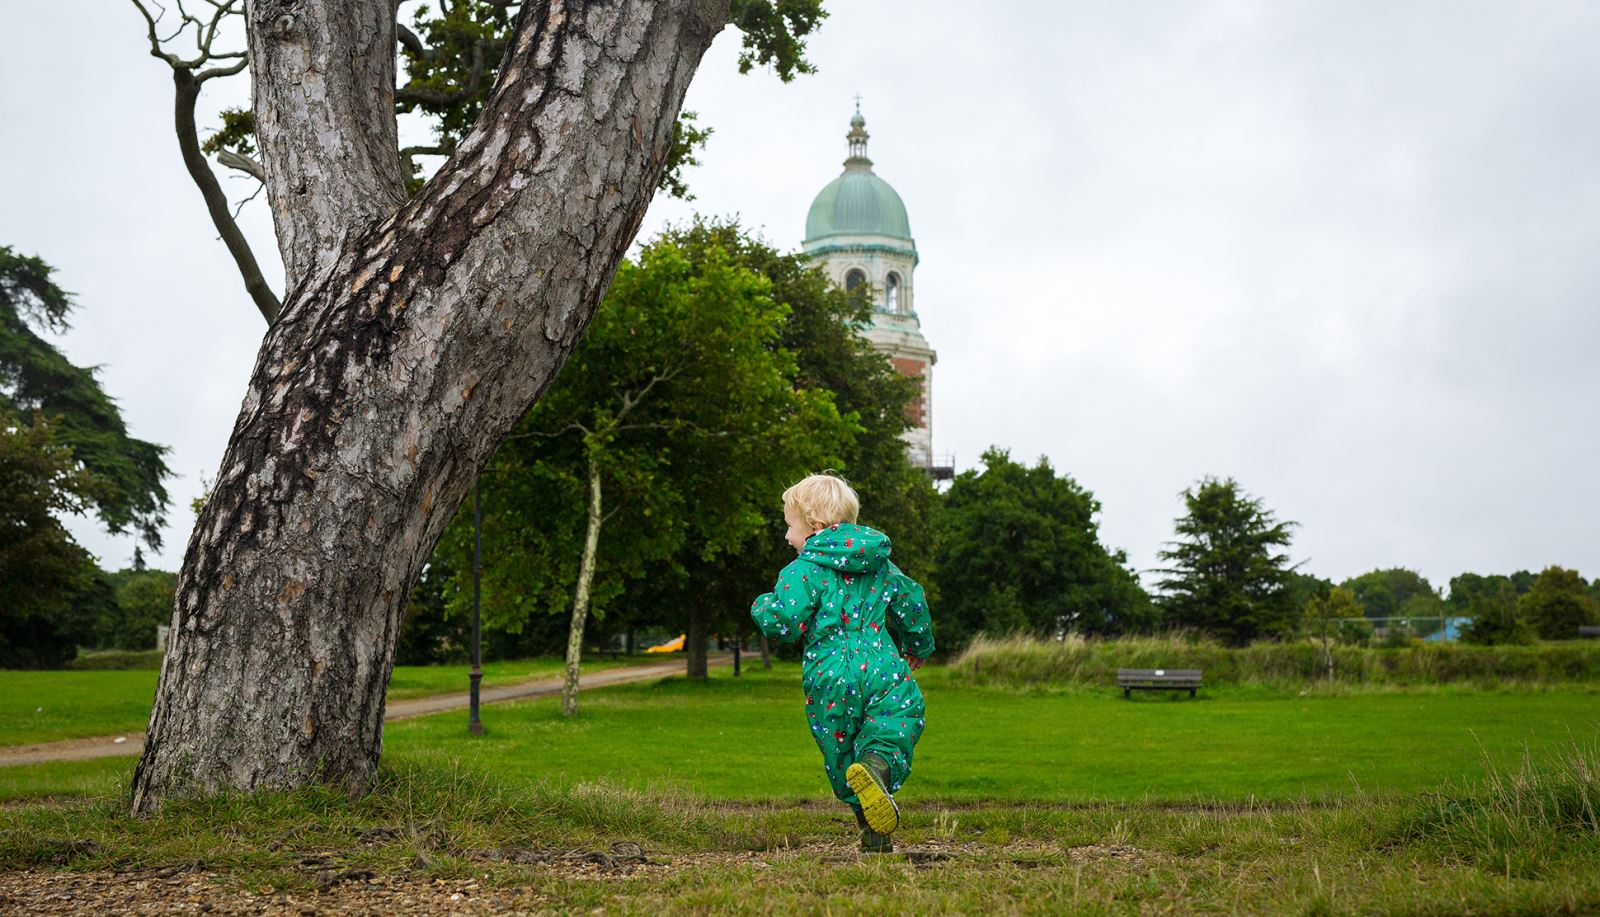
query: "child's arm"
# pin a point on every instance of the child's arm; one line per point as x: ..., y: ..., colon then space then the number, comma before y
x: 781, y: 614
x: 908, y: 620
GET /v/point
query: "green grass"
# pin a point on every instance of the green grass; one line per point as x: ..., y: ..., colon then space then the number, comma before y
x: 47, y: 706
x: 746, y: 739
x: 54, y: 705
x: 1342, y: 800
x: 462, y: 828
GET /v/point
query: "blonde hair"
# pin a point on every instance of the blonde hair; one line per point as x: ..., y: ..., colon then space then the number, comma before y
x: 823, y: 500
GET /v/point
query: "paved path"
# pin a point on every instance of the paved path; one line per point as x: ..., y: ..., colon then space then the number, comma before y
x: 131, y: 743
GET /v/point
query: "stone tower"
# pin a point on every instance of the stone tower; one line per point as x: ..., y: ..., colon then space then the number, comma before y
x: 858, y: 231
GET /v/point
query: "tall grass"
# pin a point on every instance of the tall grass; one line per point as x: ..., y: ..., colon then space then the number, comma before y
x: 1521, y: 819
x: 1025, y: 661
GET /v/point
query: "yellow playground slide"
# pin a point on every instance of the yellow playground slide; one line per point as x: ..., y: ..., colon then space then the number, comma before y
x: 671, y: 646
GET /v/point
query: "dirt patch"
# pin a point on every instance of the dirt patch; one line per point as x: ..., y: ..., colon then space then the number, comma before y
x: 332, y: 885
x: 166, y: 891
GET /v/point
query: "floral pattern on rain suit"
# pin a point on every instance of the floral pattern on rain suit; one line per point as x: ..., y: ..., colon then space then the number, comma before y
x: 857, y: 612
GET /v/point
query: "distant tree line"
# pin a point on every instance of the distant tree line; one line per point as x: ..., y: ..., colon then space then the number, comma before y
x: 639, y: 496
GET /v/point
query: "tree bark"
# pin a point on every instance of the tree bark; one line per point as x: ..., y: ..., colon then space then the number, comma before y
x: 694, y: 642
x: 410, y: 342
x: 580, y: 594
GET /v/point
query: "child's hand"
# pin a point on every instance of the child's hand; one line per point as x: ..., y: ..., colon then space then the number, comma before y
x: 914, y: 661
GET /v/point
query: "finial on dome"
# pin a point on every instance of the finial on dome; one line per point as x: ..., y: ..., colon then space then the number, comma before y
x: 858, y: 140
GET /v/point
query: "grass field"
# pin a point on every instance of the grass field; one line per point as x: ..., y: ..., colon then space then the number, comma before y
x: 53, y: 705
x: 1452, y: 800
x: 746, y: 739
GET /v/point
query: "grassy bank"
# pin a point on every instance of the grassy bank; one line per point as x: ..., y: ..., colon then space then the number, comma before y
x: 1522, y: 838
x: 1030, y: 661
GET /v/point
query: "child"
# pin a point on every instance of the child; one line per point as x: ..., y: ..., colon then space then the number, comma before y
x: 857, y: 612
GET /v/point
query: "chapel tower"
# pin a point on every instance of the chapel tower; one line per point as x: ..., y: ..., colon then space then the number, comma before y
x: 858, y: 231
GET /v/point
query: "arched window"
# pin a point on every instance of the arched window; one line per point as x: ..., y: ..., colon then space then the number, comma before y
x: 891, y: 292
x: 855, y: 280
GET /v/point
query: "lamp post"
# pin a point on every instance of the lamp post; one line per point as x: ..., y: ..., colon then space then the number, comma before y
x: 474, y: 725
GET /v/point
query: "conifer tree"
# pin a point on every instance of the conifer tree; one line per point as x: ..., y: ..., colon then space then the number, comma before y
x: 1230, y: 574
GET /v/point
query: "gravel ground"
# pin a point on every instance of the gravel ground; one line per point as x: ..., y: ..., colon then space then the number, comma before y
x: 183, y: 889
x: 162, y: 892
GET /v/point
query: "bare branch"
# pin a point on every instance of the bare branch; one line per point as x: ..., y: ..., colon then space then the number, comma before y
x: 187, y: 82
x: 253, y: 195
x: 412, y: 42
x: 440, y: 150
x: 187, y: 93
x: 243, y: 164
x: 573, y: 427
x: 630, y: 400
x: 230, y: 70
x: 223, y: 10
x: 155, y: 40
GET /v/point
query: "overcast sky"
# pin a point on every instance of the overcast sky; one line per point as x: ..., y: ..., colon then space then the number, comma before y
x: 1347, y: 253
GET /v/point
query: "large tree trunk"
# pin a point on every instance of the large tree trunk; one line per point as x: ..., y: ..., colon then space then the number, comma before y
x: 412, y: 338
x: 580, y: 594
x: 694, y: 641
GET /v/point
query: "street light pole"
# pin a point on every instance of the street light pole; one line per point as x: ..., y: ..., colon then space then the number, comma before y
x: 474, y: 725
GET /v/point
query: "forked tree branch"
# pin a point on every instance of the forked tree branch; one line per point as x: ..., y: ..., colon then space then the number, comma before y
x: 188, y: 77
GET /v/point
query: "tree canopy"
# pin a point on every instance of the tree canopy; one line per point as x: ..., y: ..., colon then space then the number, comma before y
x: 1558, y: 604
x: 684, y: 395
x: 121, y: 477
x: 64, y: 449
x: 1230, y: 573
x: 1492, y: 605
x: 1019, y: 550
x: 1387, y: 593
x: 47, y: 580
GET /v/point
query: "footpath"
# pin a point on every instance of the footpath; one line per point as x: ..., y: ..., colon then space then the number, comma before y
x: 132, y: 743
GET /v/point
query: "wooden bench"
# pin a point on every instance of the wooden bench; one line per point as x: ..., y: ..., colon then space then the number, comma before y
x: 1588, y: 631
x: 1131, y: 680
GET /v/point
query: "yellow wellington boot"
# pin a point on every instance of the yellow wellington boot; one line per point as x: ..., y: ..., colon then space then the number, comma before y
x: 869, y: 777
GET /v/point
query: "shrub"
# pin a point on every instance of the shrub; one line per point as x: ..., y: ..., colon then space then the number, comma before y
x: 1030, y: 661
x: 118, y: 659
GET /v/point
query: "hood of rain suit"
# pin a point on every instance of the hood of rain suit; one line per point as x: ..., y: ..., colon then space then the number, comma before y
x: 849, y: 548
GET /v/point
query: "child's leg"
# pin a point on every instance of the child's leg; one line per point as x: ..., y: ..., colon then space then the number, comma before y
x: 891, y: 724
x: 835, y: 719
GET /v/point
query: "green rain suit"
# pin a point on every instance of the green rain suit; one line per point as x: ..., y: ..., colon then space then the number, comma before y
x: 856, y: 611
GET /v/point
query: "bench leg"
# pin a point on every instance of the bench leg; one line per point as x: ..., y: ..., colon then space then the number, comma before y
x: 1191, y: 692
x: 1127, y: 693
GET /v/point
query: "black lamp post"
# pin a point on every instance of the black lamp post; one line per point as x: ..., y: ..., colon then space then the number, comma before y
x: 474, y: 725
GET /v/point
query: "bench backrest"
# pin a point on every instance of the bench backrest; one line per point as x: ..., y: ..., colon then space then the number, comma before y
x: 1159, y: 674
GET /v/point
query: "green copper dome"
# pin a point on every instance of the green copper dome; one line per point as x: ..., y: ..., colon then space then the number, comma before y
x: 858, y: 202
